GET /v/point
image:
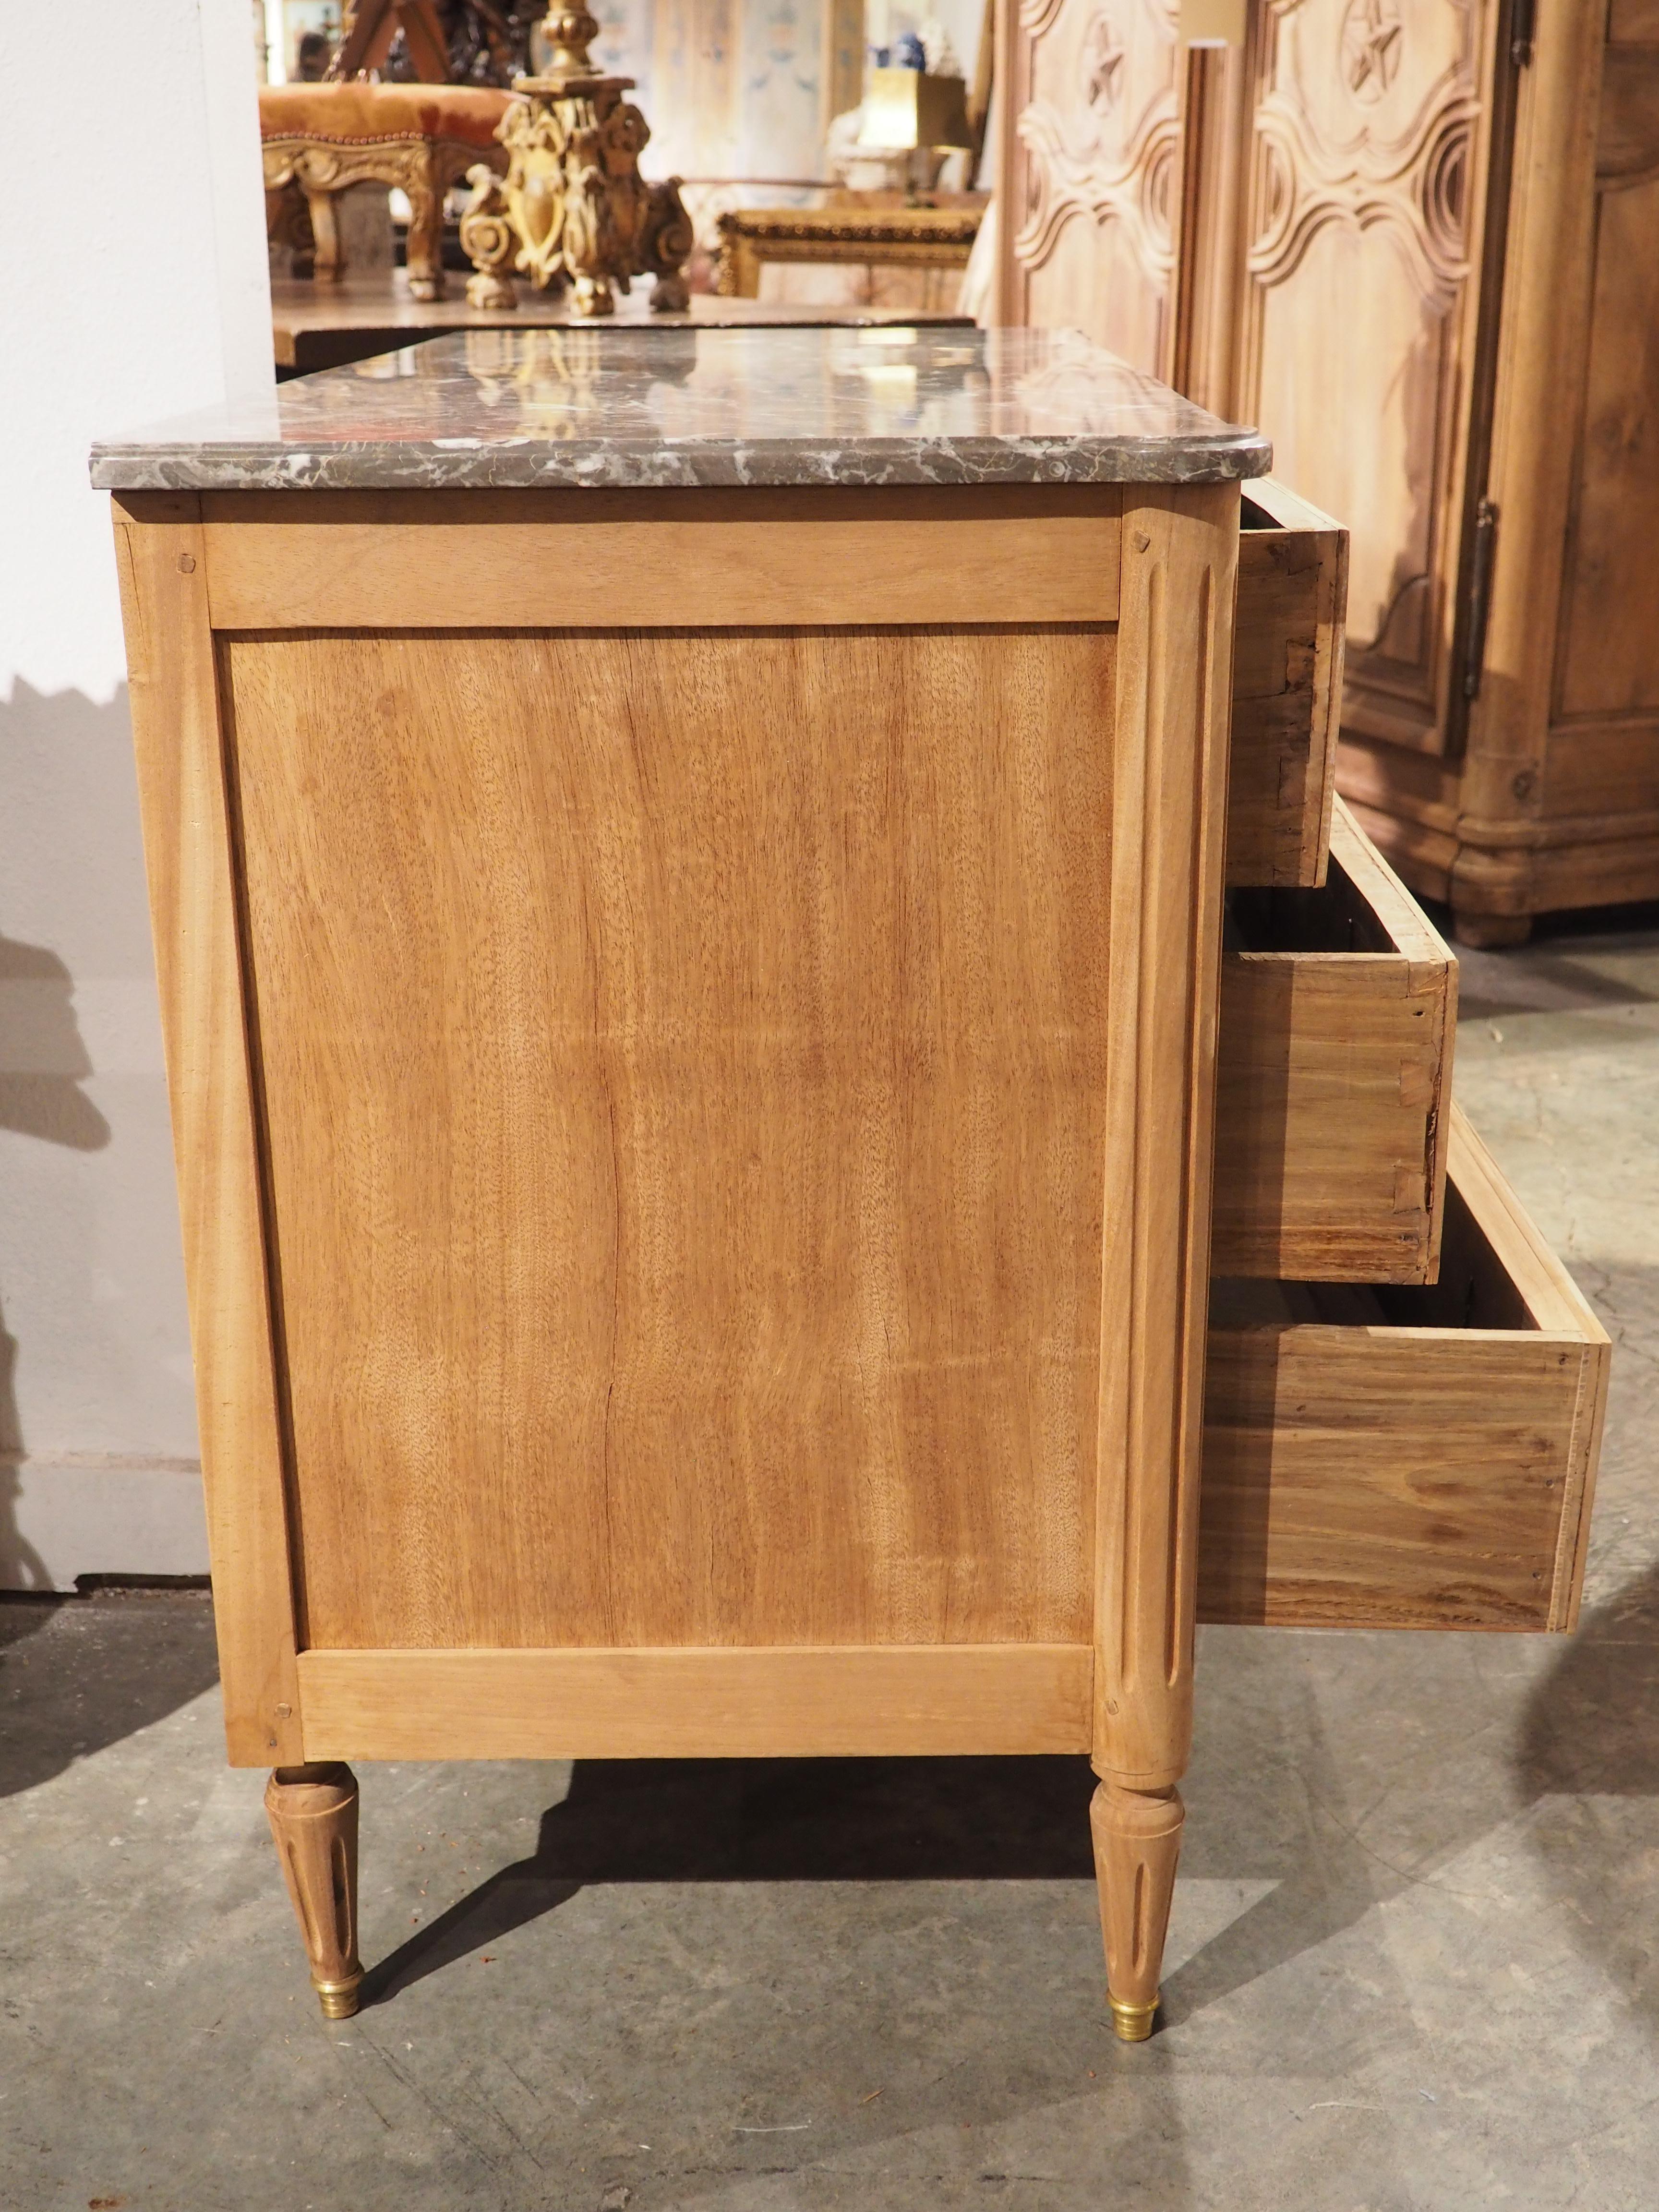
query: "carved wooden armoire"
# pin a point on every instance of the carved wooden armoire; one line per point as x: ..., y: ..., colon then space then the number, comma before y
x: 1417, y: 242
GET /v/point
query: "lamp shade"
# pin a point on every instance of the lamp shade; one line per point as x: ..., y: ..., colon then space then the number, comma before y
x: 902, y: 108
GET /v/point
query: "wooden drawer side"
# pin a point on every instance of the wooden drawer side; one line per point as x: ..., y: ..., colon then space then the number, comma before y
x: 1287, y: 687
x: 1338, y: 1011
x: 1406, y: 1458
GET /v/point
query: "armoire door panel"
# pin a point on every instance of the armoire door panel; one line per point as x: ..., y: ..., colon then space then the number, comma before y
x: 1610, y: 627
x: 1360, y: 306
x: 1091, y: 170
x: 1386, y: 480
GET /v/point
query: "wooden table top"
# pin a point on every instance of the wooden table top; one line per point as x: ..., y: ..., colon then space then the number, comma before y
x: 328, y: 325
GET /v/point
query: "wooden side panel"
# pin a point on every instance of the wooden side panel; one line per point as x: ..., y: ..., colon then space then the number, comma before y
x: 181, y: 789
x: 368, y: 561
x: 1288, y: 689
x: 1090, y: 153
x: 1554, y: 1304
x: 842, y: 1702
x: 1359, y: 307
x: 1412, y: 1474
x: 685, y: 1058
x: 1334, y: 1067
x: 1167, y: 829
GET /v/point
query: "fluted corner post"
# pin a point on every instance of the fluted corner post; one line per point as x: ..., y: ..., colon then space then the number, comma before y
x: 1173, y: 680
x: 312, y: 1811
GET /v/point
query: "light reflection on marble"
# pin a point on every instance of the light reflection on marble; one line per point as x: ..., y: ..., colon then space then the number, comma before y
x: 895, y: 405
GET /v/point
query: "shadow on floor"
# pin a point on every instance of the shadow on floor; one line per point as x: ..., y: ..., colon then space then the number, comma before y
x: 78, y: 1674
x: 1269, y: 1801
x: 806, y: 1820
x: 1590, y: 1746
x: 1585, y: 1760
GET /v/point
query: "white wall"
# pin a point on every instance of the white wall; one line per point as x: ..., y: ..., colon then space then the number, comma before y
x: 137, y: 288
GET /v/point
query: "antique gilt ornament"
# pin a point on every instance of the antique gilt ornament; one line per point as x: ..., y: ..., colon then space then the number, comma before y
x: 573, y: 208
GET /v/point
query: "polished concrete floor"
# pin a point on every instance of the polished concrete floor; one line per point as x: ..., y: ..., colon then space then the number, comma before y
x: 1415, y: 1961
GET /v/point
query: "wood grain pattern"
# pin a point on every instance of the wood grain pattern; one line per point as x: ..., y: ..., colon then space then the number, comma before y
x: 1286, y: 690
x: 1338, y: 1015
x: 685, y: 1059
x: 176, y: 732
x: 792, y: 1702
x: 1173, y: 656
x: 1408, y: 1459
x: 350, y: 560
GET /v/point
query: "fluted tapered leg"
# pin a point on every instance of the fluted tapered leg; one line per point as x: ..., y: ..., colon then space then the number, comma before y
x: 314, y: 1817
x: 1169, y: 798
x: 1137, y: 1838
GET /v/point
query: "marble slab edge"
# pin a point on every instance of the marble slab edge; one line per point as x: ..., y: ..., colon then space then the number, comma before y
x: 413, y: 465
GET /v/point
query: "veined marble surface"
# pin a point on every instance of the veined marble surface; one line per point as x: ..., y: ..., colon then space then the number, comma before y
x: 662, y: 408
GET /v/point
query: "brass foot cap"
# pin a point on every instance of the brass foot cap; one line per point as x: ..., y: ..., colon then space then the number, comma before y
x: 338, y: 1999
x: 1133, y: 2022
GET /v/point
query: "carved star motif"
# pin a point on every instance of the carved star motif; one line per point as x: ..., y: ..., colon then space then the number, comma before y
x: 1103, y: 64
x: 1372, y: 36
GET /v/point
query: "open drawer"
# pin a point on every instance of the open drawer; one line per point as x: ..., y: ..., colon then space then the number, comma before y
x: 1338, y: 1007
x: 1287, y: 687
x: 1391, y: 1458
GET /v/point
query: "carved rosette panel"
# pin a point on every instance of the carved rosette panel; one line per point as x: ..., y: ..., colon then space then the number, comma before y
x: 1098, y: 140
x: 1360, y: 301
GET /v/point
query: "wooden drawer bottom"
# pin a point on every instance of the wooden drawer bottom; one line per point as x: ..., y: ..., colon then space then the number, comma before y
x: 1397, y: 1457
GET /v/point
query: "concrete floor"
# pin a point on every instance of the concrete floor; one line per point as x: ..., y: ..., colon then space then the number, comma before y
x: 1413, y: 1959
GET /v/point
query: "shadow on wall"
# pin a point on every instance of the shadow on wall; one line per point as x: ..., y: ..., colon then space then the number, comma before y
x: 42, y: 1058
x: 43, y: 1062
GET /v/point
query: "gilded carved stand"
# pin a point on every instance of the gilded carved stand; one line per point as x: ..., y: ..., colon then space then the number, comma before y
x: 573, y: 208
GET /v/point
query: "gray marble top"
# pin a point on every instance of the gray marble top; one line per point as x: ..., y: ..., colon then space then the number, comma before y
x: 631, y: 407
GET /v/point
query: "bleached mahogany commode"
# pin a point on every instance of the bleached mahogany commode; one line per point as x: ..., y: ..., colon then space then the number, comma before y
x: 687, y: 871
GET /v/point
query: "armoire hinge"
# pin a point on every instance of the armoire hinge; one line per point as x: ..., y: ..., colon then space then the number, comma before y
x: 1523, y: 15
x: 1478, y: 606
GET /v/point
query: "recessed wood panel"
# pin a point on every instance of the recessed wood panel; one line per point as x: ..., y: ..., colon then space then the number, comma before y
x: 1611, y: 662
x: 682, y: 1059
x: 846, y: 1702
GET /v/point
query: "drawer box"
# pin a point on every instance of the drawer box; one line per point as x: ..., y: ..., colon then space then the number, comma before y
x: 1338, y: 1007
x: 1406, y: 1458
x: 1287, y: 687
